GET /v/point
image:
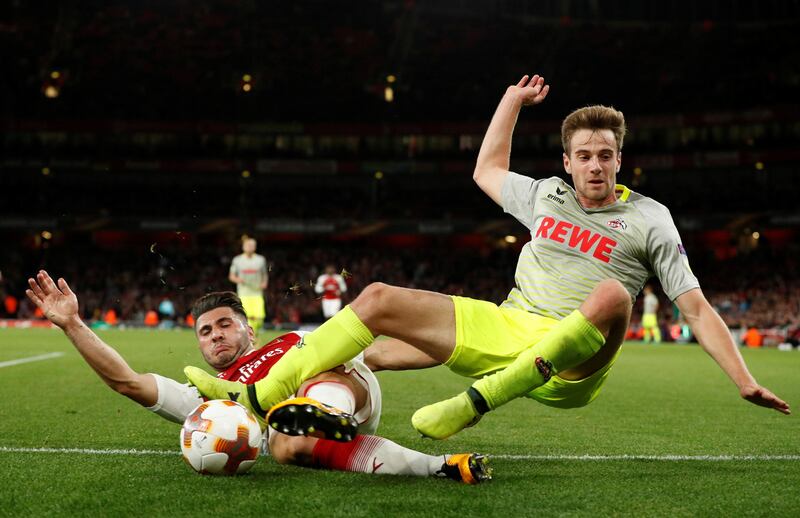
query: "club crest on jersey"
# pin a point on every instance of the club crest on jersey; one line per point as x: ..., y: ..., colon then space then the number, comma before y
x: 617, y: 224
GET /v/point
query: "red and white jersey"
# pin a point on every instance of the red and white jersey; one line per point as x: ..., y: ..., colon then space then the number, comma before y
x: 256, y: 365
x: 177, y: 400
x: 330, y: 286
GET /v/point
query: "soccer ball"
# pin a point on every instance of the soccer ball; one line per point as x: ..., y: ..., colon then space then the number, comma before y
x: 220, y: 437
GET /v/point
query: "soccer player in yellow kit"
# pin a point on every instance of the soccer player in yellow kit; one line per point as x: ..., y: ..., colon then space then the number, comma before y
x: 249, y: 272
x: 593, y: 246
x: 650, y: 316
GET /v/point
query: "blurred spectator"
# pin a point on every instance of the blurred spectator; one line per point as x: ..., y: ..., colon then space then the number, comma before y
x: 166, y: 309
x: 110, y: 317
x: 753, y: 338
x: 10, y: 305
x: 151, y: 318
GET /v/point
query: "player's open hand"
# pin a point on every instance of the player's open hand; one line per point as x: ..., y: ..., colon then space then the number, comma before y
x: 58, y: 303
x: 761, y: 396
x: 532, y: 90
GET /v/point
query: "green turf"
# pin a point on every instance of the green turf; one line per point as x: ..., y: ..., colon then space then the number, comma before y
x: 659, y: 400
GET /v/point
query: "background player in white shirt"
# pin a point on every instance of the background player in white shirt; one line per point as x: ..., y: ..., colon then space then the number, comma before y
x: 249, y: 273
x: 650, y: 316
x: 227, y: 344
x: 330, y: 285
x: 559, y: 331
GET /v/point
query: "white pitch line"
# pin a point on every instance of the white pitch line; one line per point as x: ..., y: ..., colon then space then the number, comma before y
x: 668, y: 458
x: 30, y: 359
x: 87, y: 451
x: 662, y: 458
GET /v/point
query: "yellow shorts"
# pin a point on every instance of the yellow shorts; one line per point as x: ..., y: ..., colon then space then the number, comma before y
x: 649, y: 320
x: 254, y: 307
x: 489, y: 338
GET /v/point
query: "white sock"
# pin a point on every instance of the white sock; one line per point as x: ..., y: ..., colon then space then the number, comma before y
x: 372, y: 454
x: 334, y: 394
x: 367, y: 453
x: 397, y: 460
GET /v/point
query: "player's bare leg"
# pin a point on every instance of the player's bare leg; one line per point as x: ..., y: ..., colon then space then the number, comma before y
x: 576, y: 347
x: 424, y: 319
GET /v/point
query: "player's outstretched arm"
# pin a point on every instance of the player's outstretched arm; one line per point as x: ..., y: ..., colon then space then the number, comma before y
x: 60, y: 305
x: 716, y: 340
x: 494, y: 157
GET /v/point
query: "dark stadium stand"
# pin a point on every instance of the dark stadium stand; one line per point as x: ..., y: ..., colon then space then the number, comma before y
x: 128, y: 124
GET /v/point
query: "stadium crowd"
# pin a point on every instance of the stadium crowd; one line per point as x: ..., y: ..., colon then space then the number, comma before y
x: 758, y: 291
x: 133, y: 282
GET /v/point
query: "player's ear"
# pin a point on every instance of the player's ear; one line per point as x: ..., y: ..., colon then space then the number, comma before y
x: 619, y: 160
x: 565, y: 158
x: 251, y: 334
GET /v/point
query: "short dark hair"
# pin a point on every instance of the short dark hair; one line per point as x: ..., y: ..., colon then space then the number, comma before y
x: 217, y: 299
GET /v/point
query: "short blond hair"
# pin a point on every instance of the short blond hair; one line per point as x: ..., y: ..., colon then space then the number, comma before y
x: 596, y: 117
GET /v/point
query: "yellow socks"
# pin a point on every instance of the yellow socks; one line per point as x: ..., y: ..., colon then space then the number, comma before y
x: 336, y: 341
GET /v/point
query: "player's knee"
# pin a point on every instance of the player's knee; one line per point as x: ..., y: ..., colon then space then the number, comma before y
x: 373, y: 301
x: 613, y: 296
x: 608, y: 306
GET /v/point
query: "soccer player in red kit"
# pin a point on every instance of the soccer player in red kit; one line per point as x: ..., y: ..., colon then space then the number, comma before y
x: 330, y: 285
x: 226, y: 343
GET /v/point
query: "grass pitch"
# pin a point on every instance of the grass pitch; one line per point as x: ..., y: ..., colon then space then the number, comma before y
x: 669, y: 436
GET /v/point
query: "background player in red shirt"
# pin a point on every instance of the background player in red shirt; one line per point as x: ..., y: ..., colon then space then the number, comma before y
x: 330, y: 285
x: 226, y: 343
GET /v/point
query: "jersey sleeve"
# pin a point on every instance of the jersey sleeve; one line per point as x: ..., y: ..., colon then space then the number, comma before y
x: 175, y: 400
x: 318, y: 286
x: 666, y: 253
x: 517, y: 197
x: 234, y: 268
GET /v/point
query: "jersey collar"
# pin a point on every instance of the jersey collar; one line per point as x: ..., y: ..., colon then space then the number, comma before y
x: 622, y: 192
